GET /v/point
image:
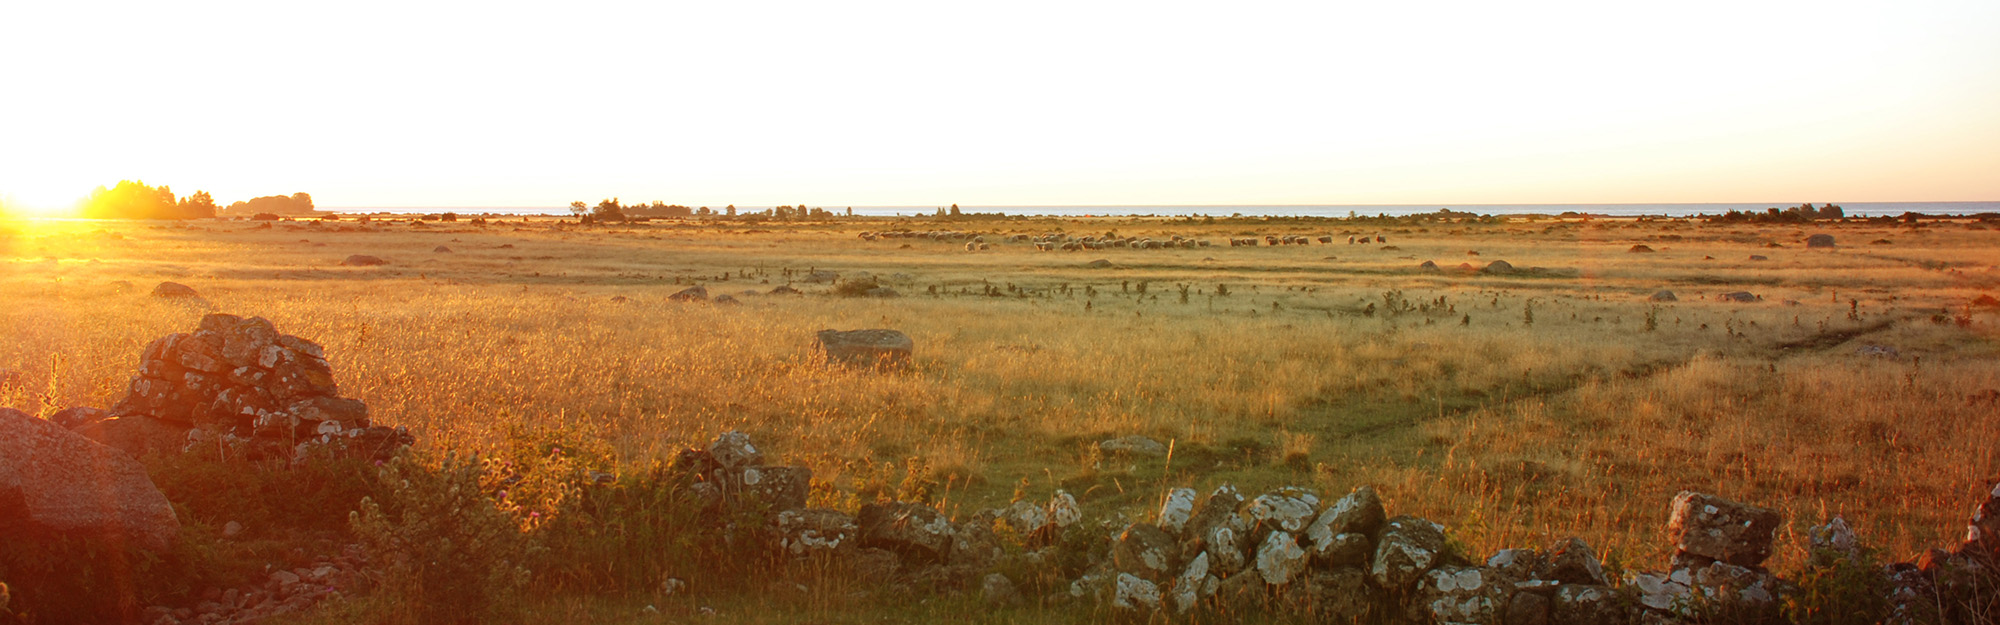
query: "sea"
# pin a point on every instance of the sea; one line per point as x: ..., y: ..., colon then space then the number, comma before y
x: 1851, y: 209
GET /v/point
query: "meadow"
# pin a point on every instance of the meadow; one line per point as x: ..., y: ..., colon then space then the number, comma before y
x: 1516, y: 408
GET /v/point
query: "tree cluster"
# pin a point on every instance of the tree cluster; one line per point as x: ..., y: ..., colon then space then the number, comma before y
x: 294, y: 204
x: 131, y: 199
x: 612, y: 209
x: 1802, y: 213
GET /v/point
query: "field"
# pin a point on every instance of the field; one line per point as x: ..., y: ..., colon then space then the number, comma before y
x: 1515, y: 408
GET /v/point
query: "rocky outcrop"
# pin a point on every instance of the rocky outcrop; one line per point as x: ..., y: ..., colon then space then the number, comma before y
x: 1709, y: 528
x: 56, y: 482
x: 239, y: 382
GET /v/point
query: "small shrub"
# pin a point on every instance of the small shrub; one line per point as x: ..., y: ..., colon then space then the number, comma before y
x: 447, y: 553
x: 1846, y: 591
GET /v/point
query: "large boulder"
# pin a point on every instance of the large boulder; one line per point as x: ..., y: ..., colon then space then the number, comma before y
x: 867, y: 348
x: 136, y: 435
x: 1719, y: 529
x: 1146, y: 551
x: 816, y: 531
x: 1279, y: 559
x: 1287, y: 509
x: 777, y: 488
x: 57, y: 482
x: 1176, y: 510
x: 1820, y: 241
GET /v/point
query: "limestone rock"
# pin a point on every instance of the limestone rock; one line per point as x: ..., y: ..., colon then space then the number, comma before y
x: 998, y: 591
x: 1360, y: 513
x: 1832, y: 542
x: 867, y: 348
x: 1408, y: 548
x: 1280, y: 559
x: 1175, y: 511
x: 1455, y: 594
x: 1287, y: 509
x: 1134, y: 593
x: 1720, y: 529
x: 815, y: 531
x: 916, y: 532
x: 1063, y: 510
x: 1584, y: 605
x: 1194, y: 584
x: 733, y: 450
x: 56, y: 481
x: 696, y: 293
x: 779, y: 488
x: 1571, y: 561
x: 1144, y: 550
x: 1136, y: 445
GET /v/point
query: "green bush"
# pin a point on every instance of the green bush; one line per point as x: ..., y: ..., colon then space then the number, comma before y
x: 445, y: 552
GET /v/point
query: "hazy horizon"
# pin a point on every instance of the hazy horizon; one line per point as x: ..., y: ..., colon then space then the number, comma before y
x: 899, y: 104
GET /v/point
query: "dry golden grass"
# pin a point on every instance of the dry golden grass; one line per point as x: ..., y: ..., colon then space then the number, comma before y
x: 1584, y: 422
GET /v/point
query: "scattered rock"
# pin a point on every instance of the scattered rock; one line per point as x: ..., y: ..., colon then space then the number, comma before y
x: 880, y: 349
x: 785, y: 290
x: 816, y: 531
x: 1063, y: 510
x: 1819, y: 241
x: 777, y: 488
x: 1663, y: 296
x: 696, y: 293
x: 1640, y: 249
x: 1098, y: 264
x: 916, y: 532
x: 175, y: 290
x: 1833, y: 542
x: 1719, y: 529
x: 59, y: 483
x: 1288, y: 509
x: 363, y: 260
x: 726, y: 299
x: 441, y: 250
x: 1571, y: 561
x: 998, y: 591
x: 1982, y: 533
x: 1745, y: 297
x: 1584, y: 605
x: 821, y: 277
x: 1194, y: 584
x: 1498, y: 267
x: 1135, y: 445
x: 1878, y: 351
x: 1758, y: 257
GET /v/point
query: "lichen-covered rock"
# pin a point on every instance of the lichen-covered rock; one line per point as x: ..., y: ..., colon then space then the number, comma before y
x: 1528, y: 608
x: 57, y: 482
x: 1063, y: 509
x: 1720, y: 529
x: 733, y: 450
x: 1457, y: 594
x: 1360, y: 512
x: 1728, y: 584
x: 867, y: 348
x: 1575, y: 604
x: 1286, y: 509
x: 1982, y: 533
x: 1280, y: 559
x: 1175, y: 511
x: 1516, y: 564
x: 1216, y: 511
x: 999, y: 591
x: 1135, y: 444
x: 1665, y: 592
x: 1571, y: 561
x: 1408, y: 548
x: 777, y: 488
x: 1146, y: 551
x: 1026, y: 518
x: 973, y: 543
x: 1833, y: 542
x: 1342, y: 550
x: 816, y: 531
x: 1194, y: 584
x: 1134, y: 593
x: 916, y: 532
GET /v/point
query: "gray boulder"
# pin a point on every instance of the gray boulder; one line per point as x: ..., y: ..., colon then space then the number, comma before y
x: 881, y: 349
x: 1663, y: 296
x: 1571, y: 561
x: 1279, y: 559
x: 1146, y: 551
x: 363, y: 260
x: 1820, y: 241
x: 1135, y: 444
x: 1719, y: 529
x: 1459, y: 594
x: 917, y: 532
x: 57, y: 482
x: 816, y: 531
x: 696, y: 293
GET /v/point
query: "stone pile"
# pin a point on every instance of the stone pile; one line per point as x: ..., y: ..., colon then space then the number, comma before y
x: 283, y: 592
x: 238, y: 383
x: 1286, y: 552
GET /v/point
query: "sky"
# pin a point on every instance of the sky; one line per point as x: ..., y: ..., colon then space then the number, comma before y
x: 509, y: 104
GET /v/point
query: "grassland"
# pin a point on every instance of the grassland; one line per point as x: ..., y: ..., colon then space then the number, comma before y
x: 1514, y: 408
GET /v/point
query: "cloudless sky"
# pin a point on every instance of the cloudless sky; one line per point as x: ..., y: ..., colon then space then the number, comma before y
x: 365, y: 103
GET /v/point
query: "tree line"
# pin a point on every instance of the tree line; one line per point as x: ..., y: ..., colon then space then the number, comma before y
x: 612, y: 210
x: 134, y: 199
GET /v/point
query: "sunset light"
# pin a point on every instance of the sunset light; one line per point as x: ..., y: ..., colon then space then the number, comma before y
x: 632, y: 312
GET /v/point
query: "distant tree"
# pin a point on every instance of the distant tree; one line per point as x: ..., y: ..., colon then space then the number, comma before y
x: 132, y: 199
x: 729, y: 210
x: 954, y: 210
x: 850, y: 211
x: 705, y: 211
x: 200, y: 205
x: 302, y: 201
x: 578, y: 208
x: 609, y: 210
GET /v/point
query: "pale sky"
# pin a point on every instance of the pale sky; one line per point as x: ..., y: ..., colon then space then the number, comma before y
x: 366, y: 103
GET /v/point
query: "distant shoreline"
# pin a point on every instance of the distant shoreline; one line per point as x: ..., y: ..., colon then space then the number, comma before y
x: 1853, y: 209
